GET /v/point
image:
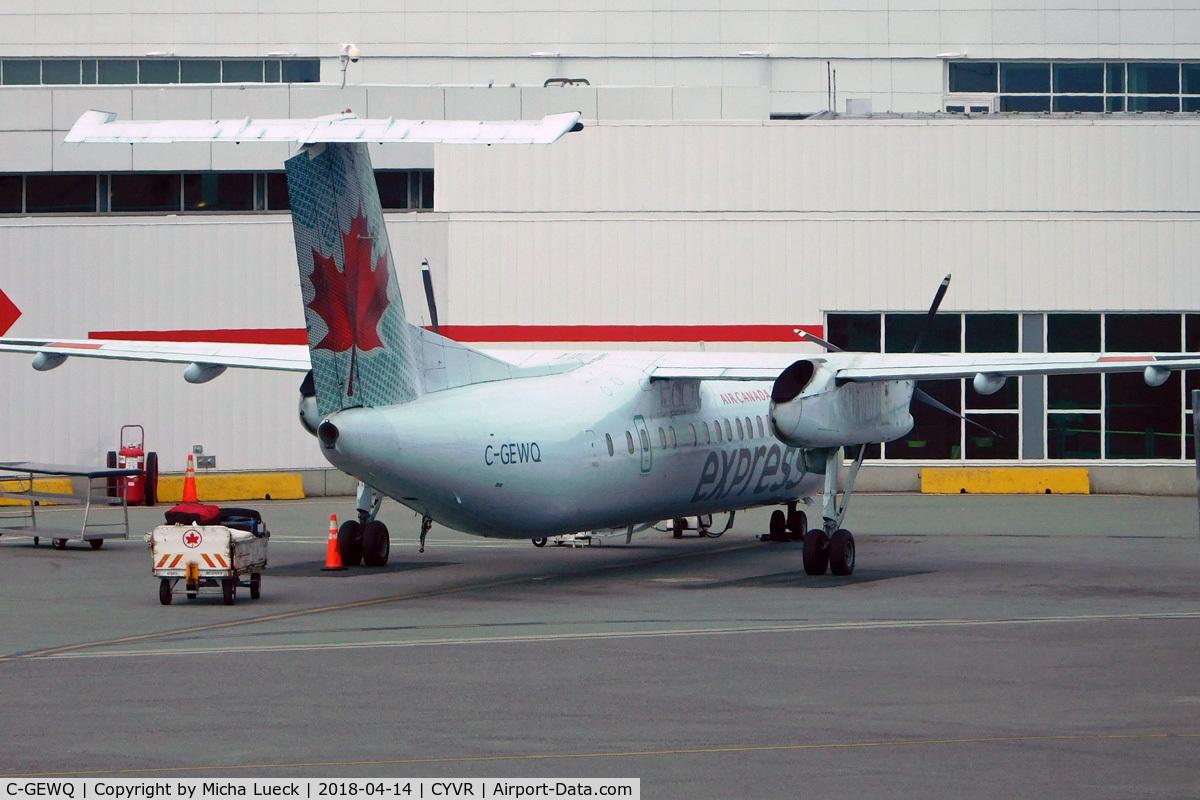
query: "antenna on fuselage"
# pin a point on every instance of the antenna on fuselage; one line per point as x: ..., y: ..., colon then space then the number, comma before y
x: 428, y: 280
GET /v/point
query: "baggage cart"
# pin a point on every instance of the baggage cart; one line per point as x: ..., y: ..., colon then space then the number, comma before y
x: 208, y: 556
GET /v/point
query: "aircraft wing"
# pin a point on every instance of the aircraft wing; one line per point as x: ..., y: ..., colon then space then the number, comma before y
x: 934, y: 366
x: 102, y: 126
x: 49, y: 353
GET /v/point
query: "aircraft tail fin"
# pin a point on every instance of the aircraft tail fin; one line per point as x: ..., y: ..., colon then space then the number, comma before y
x: 363, y: 350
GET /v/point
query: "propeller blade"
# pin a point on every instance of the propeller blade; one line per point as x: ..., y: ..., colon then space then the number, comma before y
x: 929, y: 400
x: 933, y: 309
x: 428, y: 279
x: 817, y: 340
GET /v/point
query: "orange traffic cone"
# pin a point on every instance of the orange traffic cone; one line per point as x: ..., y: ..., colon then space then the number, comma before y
x: 333, y: 556
x: 189, y: 483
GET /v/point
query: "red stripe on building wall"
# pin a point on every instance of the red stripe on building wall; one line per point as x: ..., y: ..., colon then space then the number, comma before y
x: 511, y: 334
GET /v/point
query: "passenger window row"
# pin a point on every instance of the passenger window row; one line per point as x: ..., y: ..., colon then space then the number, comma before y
x: 722, y: 430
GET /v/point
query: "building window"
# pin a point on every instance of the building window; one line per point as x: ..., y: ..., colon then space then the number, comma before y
x: 73, y: 71
x: 145, y: 191
x: 1093, y: 86
x: 58, y: 194
x: 10, y: 194
x: 218, y: 191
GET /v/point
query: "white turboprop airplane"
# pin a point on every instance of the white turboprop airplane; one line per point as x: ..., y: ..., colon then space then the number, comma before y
x: 528, y: 445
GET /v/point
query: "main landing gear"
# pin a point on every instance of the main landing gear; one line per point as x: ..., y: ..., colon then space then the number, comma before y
x: 365, y: 540
x: 832, y: 547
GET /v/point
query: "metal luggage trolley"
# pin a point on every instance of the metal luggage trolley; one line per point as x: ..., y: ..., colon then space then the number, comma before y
x: 22, y: 519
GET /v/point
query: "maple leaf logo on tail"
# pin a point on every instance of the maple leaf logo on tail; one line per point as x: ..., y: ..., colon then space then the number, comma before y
x: 351, y: 301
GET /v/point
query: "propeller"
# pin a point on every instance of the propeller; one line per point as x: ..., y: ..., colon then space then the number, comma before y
x: 919, y: 394
x: 933, y: 309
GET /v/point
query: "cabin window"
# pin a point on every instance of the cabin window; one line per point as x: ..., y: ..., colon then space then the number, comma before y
x: 674, y: 441
x: 741, y: 431
x: 707, y: 436
x: 728, y: 431
x: 760, y: 427
x: 629, y: 441
x: 749, y: 429
x: 645, y: 437
x: 608, y: 441
x: 695, y: 439
x: 662, y: 437
x: 717, y: 427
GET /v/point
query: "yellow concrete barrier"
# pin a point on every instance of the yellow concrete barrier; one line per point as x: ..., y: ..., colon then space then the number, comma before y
x: 1005, y: 480
x: 55, y: 485
x: 221, y: 487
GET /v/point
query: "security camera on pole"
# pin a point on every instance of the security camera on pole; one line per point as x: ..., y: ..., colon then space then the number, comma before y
x: 348, y: 54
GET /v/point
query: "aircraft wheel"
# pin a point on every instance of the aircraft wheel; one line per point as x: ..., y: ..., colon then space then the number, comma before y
x: 350, y: 543
x: 678, y: 526
x: 96, y: 543
x: 376, y: 544
x: 255, y: 585
x: 797, y: 524
x: 229, y: 590
x: 540, y: 541
x: 816, y: 554
x: 841, y: 552
x: 59, y: 544
x: 778, y: 527
x: 164, y: 592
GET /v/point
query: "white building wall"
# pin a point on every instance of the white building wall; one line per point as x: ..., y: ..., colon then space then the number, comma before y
x: 75, y: 277
x: 897, y: 166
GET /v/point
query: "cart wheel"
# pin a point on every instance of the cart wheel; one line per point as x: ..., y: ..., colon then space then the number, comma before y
x: 255, y: 585
x: 37, y: 540
x: 151, y: 479
x: 59, y: 544
x: 191, y: 595
x: 164, y: 592
x: 229, y: 590
x: 96, y: 543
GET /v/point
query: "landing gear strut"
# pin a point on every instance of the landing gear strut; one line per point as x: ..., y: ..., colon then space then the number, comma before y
x: 832, y: 547
x: 426, y: 524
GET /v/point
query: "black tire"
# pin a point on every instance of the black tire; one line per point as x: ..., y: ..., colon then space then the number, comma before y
x: 350, y: 543
x: 841, y: 552
x: 255, y: 585
x: 150, y: 497
x: 778, y: 527
x: 229, y: 590
x: 164, y: 591
x: 540, y: 541
x: 376, y: 544
x: 96, y: 543
x: 191, y: 595
x: 797, y: 525
x: 678, y: 526
x: 816, y: 552
x: 59, y: 544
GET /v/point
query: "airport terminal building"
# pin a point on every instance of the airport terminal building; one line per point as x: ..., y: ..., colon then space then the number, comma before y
x: 746, y: 168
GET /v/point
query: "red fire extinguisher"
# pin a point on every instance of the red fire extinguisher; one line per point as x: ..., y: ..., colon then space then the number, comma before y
x: 142, y: 487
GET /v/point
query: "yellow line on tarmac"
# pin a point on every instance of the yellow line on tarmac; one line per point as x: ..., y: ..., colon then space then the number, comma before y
x: 1054, y: 737
x: 51, y: 651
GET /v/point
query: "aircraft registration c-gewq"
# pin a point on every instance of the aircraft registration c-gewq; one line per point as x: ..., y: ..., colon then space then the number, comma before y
x: 528, y: 445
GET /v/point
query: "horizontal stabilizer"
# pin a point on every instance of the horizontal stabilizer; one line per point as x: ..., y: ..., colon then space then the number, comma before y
x: 103, y: 126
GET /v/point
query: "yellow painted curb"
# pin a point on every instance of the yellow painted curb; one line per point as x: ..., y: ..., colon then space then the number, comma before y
x: 55, y: 485
x: 219, y: 488
x: 1005, y: 480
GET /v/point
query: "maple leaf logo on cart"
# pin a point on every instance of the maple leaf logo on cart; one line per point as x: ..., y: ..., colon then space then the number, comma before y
x: 351, y: 301
x: 192, y: 538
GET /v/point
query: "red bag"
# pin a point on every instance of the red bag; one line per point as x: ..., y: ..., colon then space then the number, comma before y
x: 193, y: 514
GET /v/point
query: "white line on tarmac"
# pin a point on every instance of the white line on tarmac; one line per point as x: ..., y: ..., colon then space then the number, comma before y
x: 865, y: 625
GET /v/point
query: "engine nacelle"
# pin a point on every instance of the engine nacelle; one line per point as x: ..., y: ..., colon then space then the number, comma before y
x: 809, y: 409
